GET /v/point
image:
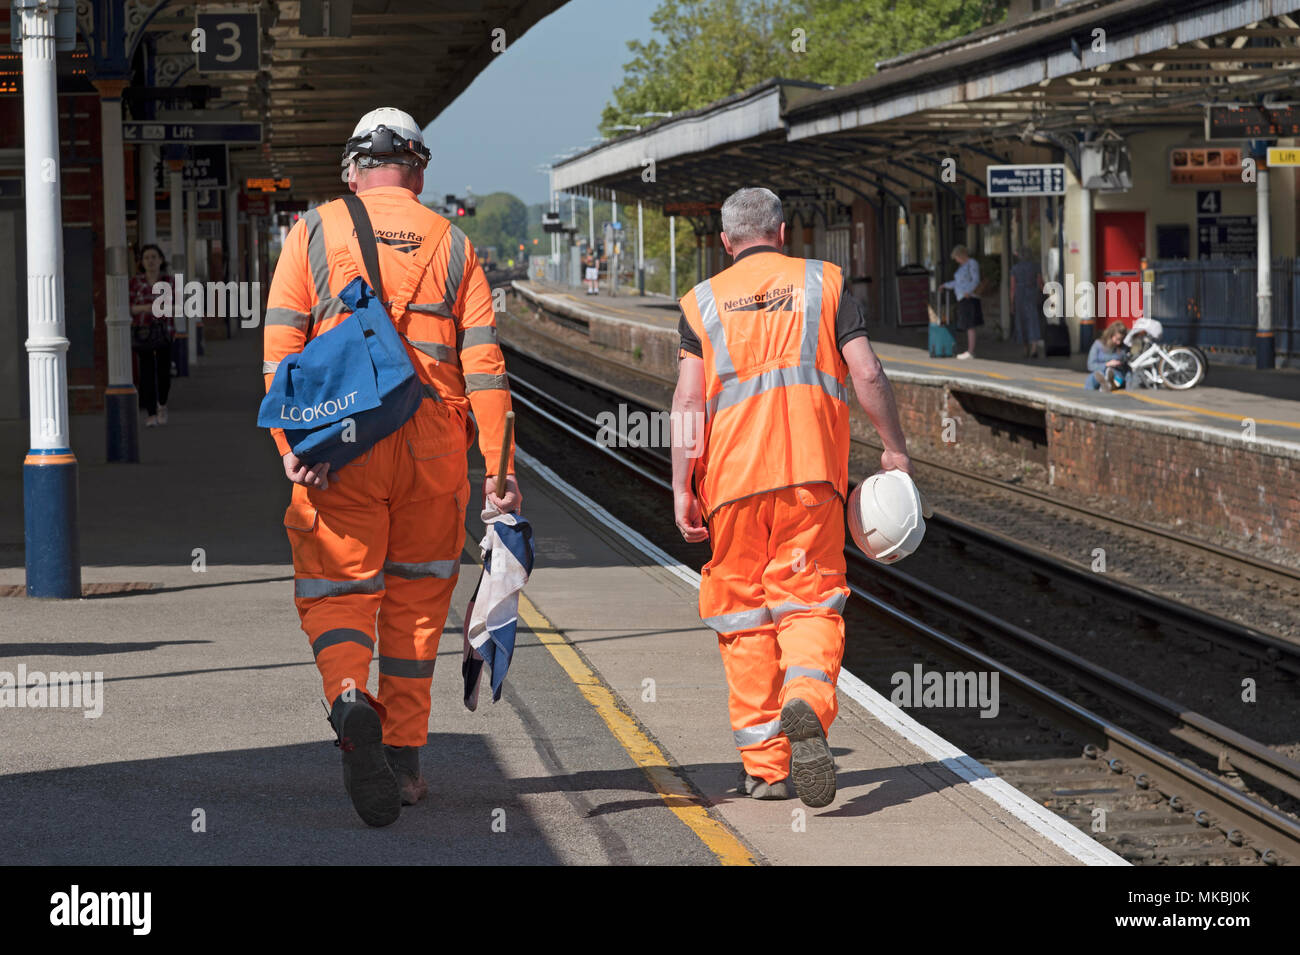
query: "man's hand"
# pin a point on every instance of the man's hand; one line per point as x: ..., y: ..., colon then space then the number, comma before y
x: 896, y: 461
x: 1114, y: 363
x: 507, y: 503
x: 315, y: 475
x: 686, y: 513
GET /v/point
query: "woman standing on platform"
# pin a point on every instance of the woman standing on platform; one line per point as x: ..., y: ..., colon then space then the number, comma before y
x: 151, y: 336
x: 970, y: 313
x: 1027, y: 302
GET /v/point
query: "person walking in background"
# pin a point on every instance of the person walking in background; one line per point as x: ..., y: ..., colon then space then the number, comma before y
x: 760, y: 456
x: 970, y: 313
x: 1027, y: 302
x: 151, y: 336
x: 592, y: 274
x: 1106, y: 359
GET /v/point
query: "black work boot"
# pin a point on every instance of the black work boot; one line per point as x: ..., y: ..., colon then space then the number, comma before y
x: 405, y: 764
x: 366, y: 775
x: 811, y: 765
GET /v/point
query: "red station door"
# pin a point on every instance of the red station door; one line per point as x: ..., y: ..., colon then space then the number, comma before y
x: 1121, y: 246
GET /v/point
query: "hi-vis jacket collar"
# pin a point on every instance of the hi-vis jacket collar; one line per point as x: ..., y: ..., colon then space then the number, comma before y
x: 758, y: 248
x: 399, y: 191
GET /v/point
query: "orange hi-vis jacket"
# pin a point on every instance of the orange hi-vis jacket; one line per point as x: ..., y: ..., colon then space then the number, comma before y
x: 449, y: 324
x: 776, y: 404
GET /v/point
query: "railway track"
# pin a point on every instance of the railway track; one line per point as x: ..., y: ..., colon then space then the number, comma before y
x: 1051, y: 742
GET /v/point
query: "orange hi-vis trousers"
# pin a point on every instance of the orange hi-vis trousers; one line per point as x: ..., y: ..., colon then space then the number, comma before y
x: 774, y: 591
x: 377, y: 552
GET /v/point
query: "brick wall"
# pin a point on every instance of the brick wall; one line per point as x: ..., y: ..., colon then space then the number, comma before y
x: 1241, y: 490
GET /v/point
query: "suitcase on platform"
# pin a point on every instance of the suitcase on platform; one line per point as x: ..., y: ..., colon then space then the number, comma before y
x: 942, y: 344
x: 1056, y: 339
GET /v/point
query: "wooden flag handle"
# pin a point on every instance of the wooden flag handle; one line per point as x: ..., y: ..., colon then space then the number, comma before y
x: 500, y: 484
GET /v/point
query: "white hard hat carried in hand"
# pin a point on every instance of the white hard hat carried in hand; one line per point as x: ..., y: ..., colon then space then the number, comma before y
x: 885, y: 516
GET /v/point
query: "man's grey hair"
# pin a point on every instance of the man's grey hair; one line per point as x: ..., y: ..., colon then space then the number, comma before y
x: 751, y: 214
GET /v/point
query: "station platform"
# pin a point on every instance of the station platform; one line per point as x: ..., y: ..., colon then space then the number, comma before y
x: 1220, y: 461
x: 1231, y: 394
x: 213, y: 747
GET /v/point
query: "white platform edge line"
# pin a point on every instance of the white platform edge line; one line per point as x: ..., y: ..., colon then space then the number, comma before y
x: 966, y: 767
x: 1047, y: 824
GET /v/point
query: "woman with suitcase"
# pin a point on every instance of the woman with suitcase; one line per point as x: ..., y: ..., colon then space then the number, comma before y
x: 970, y: 313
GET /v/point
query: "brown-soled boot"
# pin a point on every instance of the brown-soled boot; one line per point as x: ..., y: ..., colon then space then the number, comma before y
x: 405, y: 763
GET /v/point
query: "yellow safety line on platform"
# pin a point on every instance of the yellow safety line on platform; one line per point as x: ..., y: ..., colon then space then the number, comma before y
x: 672, y: 788
x: 931, y: 364
x: 1214, y: 414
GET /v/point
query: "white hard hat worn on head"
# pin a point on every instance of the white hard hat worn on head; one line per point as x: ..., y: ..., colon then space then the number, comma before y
x: 385, y: 135
x: 885, y: 516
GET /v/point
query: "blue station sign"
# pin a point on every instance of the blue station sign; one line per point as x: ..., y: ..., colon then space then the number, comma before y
x: 199, y: 132
x: 1027, y: 179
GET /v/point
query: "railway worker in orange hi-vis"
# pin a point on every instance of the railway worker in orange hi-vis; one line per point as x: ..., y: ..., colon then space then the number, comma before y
x: 760, y: 469
x: 377, y: 543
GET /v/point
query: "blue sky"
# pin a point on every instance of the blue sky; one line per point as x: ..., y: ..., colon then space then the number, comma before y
x: 542, y: 96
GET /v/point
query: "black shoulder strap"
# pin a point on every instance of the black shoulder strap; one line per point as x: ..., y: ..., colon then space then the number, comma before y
x: 366, y: 239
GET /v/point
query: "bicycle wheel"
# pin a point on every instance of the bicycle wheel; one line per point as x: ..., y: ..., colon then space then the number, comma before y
x: 1182, y: 369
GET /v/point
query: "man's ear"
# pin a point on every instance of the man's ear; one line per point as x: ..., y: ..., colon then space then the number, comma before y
x: 781, y: 236
x: 726, y: 243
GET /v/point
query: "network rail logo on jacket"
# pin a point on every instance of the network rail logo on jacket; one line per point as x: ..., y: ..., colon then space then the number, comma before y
x: 767, y: 300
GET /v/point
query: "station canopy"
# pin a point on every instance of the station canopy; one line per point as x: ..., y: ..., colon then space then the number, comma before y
x: 310, y: 90
x: 1005, y: 93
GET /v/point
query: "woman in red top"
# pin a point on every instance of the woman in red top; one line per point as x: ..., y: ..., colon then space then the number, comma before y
x: 151, y: 336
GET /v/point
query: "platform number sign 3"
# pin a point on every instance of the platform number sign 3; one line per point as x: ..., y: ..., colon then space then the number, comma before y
x: 227, y: 41
x: 1209, y: 202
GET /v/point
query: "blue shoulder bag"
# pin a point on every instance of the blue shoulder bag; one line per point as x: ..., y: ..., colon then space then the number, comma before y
x: 353, y: 386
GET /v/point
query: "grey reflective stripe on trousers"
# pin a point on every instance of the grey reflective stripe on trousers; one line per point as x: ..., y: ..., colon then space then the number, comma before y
x: 793, y: 673
x: 269, y: 367
x: 761, y: 733
x: 482, y: 382
x: 422, y: 569
x: 476, y: 335
x: 332, y: 638
x: 737, y: 390
x: 834, y: 602
x: 410, y: 669
x: 317, y: 260
x: 455, y: 267
x: 310, y: 587
x: 286, y: 316
x: 708, y: 307
x: 812, y: 311
x: 437, y: 351
x: 740, y: 620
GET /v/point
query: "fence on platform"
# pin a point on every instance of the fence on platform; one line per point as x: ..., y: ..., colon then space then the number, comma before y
x: 1211, y: 304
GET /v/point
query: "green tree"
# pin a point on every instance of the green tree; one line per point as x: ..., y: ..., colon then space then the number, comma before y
x: 704, y: 50
x: 500, y: 222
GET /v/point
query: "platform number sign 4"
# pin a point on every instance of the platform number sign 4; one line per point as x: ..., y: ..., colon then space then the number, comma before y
x: 1209, y: 202
x: 227, y: 41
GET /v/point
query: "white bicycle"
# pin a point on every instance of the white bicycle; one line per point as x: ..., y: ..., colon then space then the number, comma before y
x: 1155, y: 366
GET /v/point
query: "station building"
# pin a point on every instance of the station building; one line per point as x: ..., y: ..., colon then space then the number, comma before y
x: 893, y: 171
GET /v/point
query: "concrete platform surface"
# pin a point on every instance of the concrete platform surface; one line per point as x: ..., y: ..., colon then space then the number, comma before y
x: 212, y: 745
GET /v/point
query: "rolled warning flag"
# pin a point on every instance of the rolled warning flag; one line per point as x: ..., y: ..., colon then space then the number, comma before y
x: 500, y: 484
